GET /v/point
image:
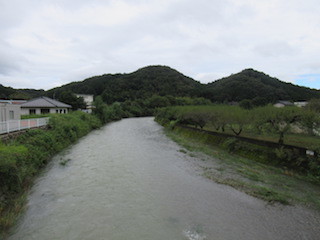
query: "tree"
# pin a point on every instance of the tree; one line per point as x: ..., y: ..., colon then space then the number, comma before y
x: 310, y: 121
x: 314, y: 105
x: 198, y: 119
x: 71, y: 99
x: 157, y: 101
x: 100, y: 109
x: 278, y: 120
x: 246, y: 104
x: 237, y: 118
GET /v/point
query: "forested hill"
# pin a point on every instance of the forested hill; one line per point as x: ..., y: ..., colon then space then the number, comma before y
x: 163, y: 80
x: 251, y: 84
x: 11, y: 93
x: 141, y: 84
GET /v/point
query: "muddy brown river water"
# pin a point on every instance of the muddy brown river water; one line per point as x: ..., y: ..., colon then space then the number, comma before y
x: 129, y: 181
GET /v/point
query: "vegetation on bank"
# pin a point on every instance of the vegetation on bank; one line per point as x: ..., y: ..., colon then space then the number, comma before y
x: 23, y: 157
x: 258, y: 179
x: 292, y: 125
x: 267, y: 123
x: 139, y: 107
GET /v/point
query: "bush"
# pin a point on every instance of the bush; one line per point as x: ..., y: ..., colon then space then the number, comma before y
x: 230, y: 144
x: 22, y: 158
x: 12, y: 167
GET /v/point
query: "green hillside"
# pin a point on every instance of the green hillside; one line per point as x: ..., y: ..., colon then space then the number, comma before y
x: 143, y: 83
x: 163, y: 80
x: 251, y: 84
x: 11, y: 93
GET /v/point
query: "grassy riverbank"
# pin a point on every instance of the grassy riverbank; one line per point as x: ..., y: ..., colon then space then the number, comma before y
x: 267, y: 182
x: 23, y: 158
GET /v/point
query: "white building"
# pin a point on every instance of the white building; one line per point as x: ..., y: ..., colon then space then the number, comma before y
x: 44, y: 105
x: 88, y: 99
x: 281, y: 104
x: 9, y: 111
x: 301, y: 104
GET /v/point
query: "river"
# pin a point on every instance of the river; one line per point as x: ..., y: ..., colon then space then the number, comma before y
x: 129, y: 181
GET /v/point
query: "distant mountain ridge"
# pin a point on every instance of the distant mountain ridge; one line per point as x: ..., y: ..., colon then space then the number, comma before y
x: 250, y: 84
x: 143, y: 83
x: 163, y: 80
x: 11, y: 93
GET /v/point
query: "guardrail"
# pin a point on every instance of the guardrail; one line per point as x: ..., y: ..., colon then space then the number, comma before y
x: 18, y: 125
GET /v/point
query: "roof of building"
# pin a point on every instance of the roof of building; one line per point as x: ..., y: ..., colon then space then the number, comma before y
x: 286, y: 103
x: 12, y: 101
x: 44, y: 102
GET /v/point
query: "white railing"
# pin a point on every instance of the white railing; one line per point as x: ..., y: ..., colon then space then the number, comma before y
x: 17, y: 125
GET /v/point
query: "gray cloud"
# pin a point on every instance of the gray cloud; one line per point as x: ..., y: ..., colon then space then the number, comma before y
x: 275, y: 49
x: 47, y: 43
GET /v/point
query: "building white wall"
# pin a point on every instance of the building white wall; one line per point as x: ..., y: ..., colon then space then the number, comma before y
x: 9, y: 112
x: 26, y: 111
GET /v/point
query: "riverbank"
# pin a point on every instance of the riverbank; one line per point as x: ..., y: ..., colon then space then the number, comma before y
x: 270, y: 183
x: 127, y: 180
x: 22, y: 158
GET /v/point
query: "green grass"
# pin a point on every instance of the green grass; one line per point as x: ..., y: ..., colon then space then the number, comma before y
x: 270, y: 183
x: 295, y: 139
x: 35, y: 116
x: 9, y: 215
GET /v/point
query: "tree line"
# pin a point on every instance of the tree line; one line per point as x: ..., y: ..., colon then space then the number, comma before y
x: 267, y: 119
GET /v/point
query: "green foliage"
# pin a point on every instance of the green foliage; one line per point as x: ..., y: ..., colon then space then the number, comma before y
x: 278, y: 120
x: 290, y: 158
x: 218, y: 116
x: 256, y: 86
x: 11, y: 93
x: 246, y: 104
x: 310, y: 121
x: 22, y: 158
x: 12, y: 167
x: 139, y: 107
x: 230, y: 144
x: 157, y: 101
x: 234, y: 119
x: 108, y: 113
x: 314, y: 105
x: 270, y: 195
x: 70, y: 98
x: 256, y: 178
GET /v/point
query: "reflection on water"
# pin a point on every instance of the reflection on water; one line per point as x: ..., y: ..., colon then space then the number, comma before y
x: 128, y: 181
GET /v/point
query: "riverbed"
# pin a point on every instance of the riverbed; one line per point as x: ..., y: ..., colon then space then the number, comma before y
x: 127, y: 180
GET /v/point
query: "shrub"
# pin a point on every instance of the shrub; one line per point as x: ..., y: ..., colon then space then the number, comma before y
x: 22, y: 158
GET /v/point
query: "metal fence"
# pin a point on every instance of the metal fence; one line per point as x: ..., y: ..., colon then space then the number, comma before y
x: 17, y: 125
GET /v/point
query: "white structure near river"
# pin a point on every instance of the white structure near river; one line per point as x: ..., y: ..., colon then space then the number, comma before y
x: 9, y: 112
x: 44, y: 105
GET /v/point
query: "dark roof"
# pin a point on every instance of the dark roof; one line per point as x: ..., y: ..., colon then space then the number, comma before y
x: 286, y: 103
x: 44, y: 102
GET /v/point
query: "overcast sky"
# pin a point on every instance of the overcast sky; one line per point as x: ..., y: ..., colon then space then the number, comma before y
x: 48, y: 43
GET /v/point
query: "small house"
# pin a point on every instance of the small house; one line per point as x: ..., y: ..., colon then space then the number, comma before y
x: 44, y: 105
